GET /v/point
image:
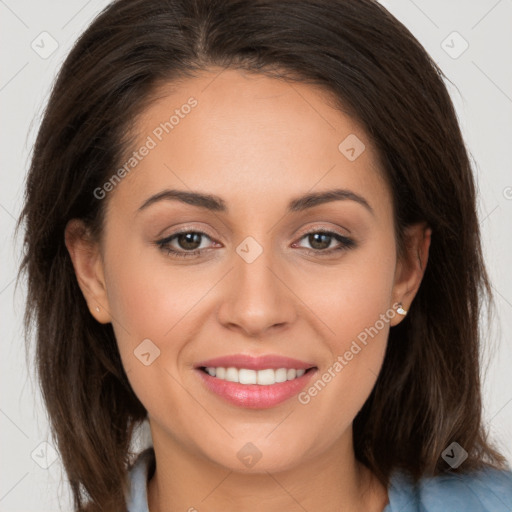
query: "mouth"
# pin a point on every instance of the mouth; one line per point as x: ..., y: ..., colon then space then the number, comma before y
x: 255, y: 382
x: 246, y: 376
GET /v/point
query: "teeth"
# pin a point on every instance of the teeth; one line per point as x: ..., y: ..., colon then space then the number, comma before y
x: 265, y: 377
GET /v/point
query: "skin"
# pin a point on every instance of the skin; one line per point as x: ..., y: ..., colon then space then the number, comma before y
x: 258, y: 143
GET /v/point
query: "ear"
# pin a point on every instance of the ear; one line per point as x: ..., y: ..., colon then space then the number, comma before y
x: 411, y: 266
x: 87, y: 262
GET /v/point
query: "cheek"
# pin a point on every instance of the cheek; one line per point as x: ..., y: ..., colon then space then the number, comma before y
x: 149, y: 301
x: 351, y: 296
x: 149, y: 312
x: 147, y: 295
x: 357, y: 309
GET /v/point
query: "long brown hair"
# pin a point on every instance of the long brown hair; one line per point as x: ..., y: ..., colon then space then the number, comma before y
x: 428, y: 392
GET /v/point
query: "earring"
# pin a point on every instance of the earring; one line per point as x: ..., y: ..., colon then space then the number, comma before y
x: 97, y: 309
x: 400, y: 310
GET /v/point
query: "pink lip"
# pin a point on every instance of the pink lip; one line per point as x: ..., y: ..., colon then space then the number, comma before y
x: 255, y: 396
x: 272, y: 361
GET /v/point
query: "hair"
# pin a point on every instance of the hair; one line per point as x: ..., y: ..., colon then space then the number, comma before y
x: 428, y: 393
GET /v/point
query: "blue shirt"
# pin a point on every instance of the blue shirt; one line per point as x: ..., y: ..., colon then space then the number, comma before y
x: 487, y: 490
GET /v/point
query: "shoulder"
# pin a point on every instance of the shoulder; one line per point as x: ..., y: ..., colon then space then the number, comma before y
x: 138, y: 475
x: 485, y: 490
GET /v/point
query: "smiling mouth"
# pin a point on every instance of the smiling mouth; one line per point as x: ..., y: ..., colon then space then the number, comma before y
x: 264, y: 377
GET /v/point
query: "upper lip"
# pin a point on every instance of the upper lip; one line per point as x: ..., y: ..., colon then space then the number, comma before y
x: 272, y: 361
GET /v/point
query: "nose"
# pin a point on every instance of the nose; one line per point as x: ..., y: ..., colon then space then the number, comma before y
x: 257, y: 297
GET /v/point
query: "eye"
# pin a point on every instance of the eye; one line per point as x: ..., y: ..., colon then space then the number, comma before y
x: 321, y: 240
x: 188, y: 243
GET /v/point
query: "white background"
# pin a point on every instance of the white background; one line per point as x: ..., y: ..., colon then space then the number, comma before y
x: 481, y: 91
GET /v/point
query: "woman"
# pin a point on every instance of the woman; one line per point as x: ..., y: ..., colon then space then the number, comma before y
x: 253, y: 224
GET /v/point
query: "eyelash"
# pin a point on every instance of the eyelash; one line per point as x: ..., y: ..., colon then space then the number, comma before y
x: 346, y: 243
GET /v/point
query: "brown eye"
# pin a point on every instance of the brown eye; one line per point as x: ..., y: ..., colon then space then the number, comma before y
x: 187, y: 243
x: 320, y: 242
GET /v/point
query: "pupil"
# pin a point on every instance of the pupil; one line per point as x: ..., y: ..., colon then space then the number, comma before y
x: 313, y: 240
x: 187, y: 241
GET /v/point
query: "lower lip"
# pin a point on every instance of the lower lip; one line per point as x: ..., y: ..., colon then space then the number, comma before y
x: 254, y: 396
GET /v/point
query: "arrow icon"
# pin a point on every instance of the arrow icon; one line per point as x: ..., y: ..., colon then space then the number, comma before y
x: 454, y: 455
x: 44, y: 45
x: 351, y: 147
x: 146, y: 352
x: 249, y: 455
x: 249, y: 249
x: 44, y: 455
x: 454, y: 45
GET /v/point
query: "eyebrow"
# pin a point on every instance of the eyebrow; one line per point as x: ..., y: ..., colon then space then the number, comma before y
x: 217, y: 204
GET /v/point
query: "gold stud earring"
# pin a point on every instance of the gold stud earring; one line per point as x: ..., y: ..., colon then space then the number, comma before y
x: 400, y: 310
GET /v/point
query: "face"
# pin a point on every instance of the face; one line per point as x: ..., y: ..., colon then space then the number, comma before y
x: 250, y: 270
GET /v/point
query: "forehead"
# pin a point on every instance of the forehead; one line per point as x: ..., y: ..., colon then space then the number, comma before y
x: 252, y: 138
